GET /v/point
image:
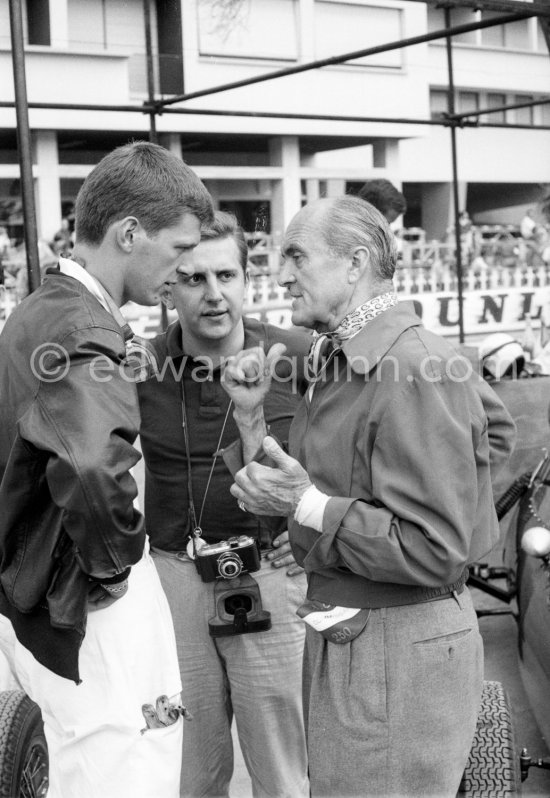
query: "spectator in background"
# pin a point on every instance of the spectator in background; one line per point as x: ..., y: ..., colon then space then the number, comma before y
x: 4, y: 250
x: 5, y: 242
x: 17, y: 267
x: 528, y: 226
x: 63, y: 240
x: 468, y: 236
x: 385, y: 197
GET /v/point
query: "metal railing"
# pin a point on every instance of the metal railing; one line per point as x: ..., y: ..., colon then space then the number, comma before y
x: 424, y: 268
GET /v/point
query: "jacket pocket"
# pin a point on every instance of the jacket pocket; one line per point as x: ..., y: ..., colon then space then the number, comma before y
x: 67, y: 594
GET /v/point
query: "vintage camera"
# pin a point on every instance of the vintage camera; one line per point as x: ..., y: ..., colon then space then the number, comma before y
x: 228, y: 559
x: 238, y: 608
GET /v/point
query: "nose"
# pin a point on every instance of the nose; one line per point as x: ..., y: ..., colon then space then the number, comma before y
x: 185, y: 261
x: 212, y: 291
x: 286, y: 276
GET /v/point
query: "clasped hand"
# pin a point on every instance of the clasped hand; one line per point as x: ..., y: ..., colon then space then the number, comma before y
x: 247, y: 376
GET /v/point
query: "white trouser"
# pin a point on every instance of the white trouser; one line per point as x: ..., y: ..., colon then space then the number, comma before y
x: 128, y: 658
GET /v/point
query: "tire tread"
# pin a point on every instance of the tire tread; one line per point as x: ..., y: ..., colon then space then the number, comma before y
x: 492, y: 770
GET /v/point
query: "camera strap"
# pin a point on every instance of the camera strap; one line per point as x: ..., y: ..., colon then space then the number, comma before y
x: 195, y: 539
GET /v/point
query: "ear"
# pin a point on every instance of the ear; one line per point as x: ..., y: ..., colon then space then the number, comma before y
x: 166, y: 299
x: 360, y: 263
x: 126, y: 232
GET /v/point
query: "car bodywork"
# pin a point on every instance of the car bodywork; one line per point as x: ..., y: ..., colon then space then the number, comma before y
x: 523, y: 554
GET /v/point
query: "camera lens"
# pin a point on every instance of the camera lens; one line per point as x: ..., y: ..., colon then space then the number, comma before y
x: 230, y: 565
x: 238, y: 602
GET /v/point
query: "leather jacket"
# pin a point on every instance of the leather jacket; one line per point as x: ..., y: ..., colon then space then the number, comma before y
x: 68, y: 419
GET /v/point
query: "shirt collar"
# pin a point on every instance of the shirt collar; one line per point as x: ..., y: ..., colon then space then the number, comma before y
x: 73, y: 269
x: 366, y: 349
x: 174, y: 346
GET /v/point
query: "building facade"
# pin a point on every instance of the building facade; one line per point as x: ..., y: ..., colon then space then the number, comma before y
x: 93, y: 52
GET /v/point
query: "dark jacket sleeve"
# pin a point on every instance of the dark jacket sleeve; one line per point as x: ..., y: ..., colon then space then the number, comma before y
x: 85, y: 422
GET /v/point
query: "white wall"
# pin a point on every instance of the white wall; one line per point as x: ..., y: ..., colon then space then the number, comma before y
x: 377, y: 90
x: 63, y: 76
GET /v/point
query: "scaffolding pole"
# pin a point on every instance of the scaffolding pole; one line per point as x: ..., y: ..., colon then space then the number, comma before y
x: 445, y: 121
x: 351, y: 56
x: 151, y: 110
x: 24, y: 145
x: 458, y: 243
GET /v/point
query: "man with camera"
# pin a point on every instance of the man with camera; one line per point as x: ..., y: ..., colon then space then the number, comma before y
x: 387, y: 489
x: 225, y: 574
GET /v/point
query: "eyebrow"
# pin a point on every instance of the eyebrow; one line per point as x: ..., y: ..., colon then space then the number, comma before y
x: 290, y: 249
x: 201, y: 272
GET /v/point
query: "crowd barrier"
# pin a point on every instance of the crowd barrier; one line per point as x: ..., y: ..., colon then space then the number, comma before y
x: 495, y: 298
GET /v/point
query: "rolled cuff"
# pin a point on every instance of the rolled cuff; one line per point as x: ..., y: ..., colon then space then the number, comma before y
x: 311, y: 508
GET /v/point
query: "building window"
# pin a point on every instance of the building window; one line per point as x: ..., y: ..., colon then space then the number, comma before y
x: 262, y: 29
x: 495, y: 101
x: 170, y: 47
x: 467, y: 101
x: 524, y: 116
x: 459, y: 16
x: 117, y: 25
x: 345, y: 27
x: 438, y: 103
x: 38, y: 22
x: 517, y: 36
x: 492, y: 37
x: 513, y: 36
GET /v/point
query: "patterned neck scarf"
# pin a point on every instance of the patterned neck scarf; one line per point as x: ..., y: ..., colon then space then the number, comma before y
x: 326, y: 343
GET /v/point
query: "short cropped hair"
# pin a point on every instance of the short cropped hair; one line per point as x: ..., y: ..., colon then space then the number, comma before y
x: 140, y: 179
x: 225, y: 225
x: 385, y: 197
x: 349, y: 222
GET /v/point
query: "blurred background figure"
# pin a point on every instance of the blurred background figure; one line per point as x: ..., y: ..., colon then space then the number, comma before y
x: 63, y: 240
x: 4, y: 249
x: 15, y: 266
x: 502, y: 357
x: 528, y: 226
x: 385, y: 197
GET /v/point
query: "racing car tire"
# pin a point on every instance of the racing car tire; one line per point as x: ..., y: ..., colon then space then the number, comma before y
x: 23, y: 749
x: 492, y: 770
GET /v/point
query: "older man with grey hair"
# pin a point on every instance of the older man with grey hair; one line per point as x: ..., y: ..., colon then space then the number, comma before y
x: 393, y: 661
